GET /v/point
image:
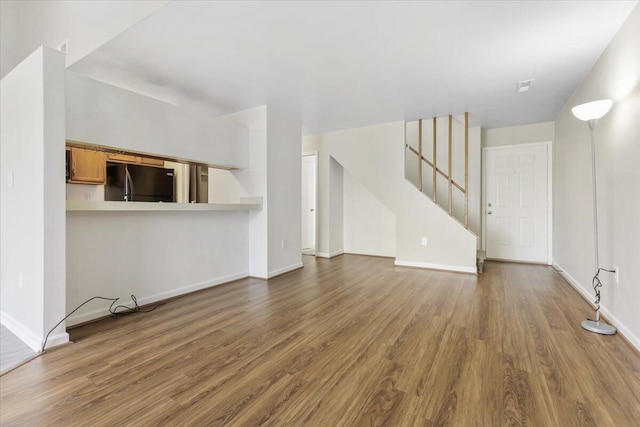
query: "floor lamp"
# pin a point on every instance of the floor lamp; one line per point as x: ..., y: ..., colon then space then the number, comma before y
x: 590, y: 113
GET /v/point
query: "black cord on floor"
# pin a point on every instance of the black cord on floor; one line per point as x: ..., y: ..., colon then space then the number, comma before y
x: 119, y: 310
x: 597, y: 284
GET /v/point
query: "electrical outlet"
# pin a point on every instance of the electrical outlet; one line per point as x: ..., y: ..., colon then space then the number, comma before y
x: 20, y: 281
x: 424, y: 241
x: 284, y: 244
x: 617, y: 274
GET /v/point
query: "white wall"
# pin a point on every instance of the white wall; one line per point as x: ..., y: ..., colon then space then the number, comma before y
x: 87, y: 25
x: 224, y: 187
x: 32, y: 207
x: 375, y: 157
x: 616, y: 75
x: 526, y: 134
x: 369, y: 226
x: 98, y: 113
x: 411, y: 164
x: 336, y: 209
x: 162, y: 254
x: 153, y: 255
x: 475, y: 182
x: 22, y: 214
x: 253, y: 182
x: 9, y: 36
x: 92, y: 192
x: 273, y: 173
x: 284, y: 192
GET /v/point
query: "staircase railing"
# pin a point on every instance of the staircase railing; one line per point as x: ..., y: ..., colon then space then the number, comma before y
x: 447, y: 175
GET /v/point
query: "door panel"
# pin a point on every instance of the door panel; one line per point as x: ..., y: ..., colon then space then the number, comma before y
x: 309, y: 165
x: 502, y: 231
x: 517, y: 203
x: 527, y: 232
x: 527, y: 190
x: 502, y: 190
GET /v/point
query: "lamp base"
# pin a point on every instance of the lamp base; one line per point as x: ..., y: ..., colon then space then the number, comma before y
x: 598, y: 327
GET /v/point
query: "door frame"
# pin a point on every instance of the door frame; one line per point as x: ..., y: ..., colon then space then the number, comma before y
x: 549, y: 146
x: 315, y: 217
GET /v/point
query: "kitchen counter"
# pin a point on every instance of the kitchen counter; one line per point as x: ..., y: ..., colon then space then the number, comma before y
x: 246, y: 204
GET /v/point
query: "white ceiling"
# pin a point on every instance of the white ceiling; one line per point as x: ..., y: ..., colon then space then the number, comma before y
x: 350, y: 64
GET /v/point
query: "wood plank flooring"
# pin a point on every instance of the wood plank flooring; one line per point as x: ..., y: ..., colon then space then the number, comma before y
x: 348, y: 341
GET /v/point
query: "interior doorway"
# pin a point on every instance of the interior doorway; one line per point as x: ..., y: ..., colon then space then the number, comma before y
x: 517, y: 202
x: 309, y: 202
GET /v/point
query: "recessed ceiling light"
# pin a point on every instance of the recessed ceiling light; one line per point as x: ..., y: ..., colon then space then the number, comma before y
x: 524, y: 85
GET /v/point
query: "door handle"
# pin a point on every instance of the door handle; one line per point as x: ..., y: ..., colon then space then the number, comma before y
x: 489, y: 212
x: 312, y: 210
x: 489, y: 204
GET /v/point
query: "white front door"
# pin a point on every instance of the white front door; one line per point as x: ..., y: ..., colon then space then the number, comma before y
x: 517, y: 203
x: 309, y: 165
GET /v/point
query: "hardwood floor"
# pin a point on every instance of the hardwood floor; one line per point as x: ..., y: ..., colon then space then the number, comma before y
x: 348, y: 341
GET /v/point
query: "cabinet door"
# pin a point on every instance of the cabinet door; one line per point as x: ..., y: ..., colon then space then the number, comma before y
x: 87, y: 166
x: 151, y: 161
x: 122, y: 158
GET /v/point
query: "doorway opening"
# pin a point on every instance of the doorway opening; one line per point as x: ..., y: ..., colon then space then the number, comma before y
x: 309, y: 202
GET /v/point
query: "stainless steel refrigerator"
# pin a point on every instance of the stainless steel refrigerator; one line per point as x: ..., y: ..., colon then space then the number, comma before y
x: 137, y: 183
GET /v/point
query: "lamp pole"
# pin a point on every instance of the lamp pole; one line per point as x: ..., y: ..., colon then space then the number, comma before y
x: 590, y: 113
x: 592, y: 127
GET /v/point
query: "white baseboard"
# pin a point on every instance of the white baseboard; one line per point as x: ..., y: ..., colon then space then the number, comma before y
x: 25, y: 334
x: 392, y: 256
x: 329, y: 254
x: 588, y: 296
x: 283, y: 270
x: 94, y: 314
x: 57, y: 339
x: 455, y: 268
x: 575, y: 285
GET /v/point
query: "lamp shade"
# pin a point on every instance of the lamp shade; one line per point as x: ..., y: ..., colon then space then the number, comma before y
x: 592, y: 110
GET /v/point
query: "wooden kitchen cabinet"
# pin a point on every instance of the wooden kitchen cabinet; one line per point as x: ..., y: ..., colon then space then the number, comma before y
x: 151, y: 161
x: 122, y: 158
x: 87, y: 166
x: 130, y: 158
